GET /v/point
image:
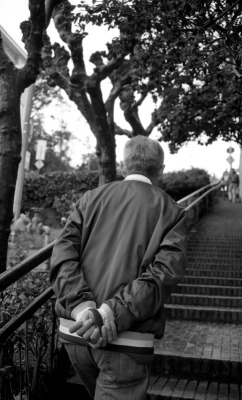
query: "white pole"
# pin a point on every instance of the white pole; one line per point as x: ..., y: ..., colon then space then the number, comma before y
x: 240, y: 174
x: 26, y: 105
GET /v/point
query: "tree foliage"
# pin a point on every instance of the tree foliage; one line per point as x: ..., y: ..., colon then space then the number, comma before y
x: 185, y: 55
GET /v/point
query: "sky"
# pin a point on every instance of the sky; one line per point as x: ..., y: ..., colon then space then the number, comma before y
x: 212, y: 158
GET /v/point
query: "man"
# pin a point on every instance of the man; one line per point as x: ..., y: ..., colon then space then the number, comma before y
x: 113, y: 268
x: 233, y: 185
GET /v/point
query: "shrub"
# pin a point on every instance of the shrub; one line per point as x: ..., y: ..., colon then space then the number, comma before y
x: 180, y: 184
x: 59, y: 190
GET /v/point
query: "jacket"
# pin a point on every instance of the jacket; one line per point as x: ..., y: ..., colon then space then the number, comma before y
x: 125, y: 245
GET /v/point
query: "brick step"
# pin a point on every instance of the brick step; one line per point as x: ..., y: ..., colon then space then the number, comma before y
x: 214, y: 273
x: 200, y: 348
x: 206, y: 300
x: 229, y: 243
x: 205, y: 259
x: 183, y: 388
x: 209, y: 290
x: 215, y: 254
x: 217, y: 236
x: 202, y: 313
x: 203, y: 280
x: 215, y: 266
x: 214, y: 241
x: 197, y: 367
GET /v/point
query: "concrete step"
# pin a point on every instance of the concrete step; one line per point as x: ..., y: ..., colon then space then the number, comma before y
x: 182, y: 388
x: 208, y: 290
x: 202, y: 313
x: 216, y: 281
x: 205, y: 300
x: 225, y: 273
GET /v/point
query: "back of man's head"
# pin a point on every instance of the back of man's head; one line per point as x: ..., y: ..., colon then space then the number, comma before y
x: 142, y: 154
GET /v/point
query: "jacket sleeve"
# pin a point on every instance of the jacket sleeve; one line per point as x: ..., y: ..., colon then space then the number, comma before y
x: 66, y: 275
x: 142, y: 298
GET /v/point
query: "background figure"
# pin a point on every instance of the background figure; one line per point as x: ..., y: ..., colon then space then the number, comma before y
x: 225, y: 182
x: 233, y: 186
x: 120, y: 254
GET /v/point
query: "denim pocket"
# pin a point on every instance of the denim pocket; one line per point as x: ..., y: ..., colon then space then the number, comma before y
x: 122, y: 369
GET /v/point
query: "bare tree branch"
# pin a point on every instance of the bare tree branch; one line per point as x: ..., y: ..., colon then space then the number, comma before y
x: 120, y: 131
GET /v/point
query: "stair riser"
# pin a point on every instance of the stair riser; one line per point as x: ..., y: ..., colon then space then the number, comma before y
x: 176, y: 388
x: 211, y: 281
x: 216, y: 266
x: 214, y: 273
x: 210, y: 259
x: 205, y: 301
x: 210, y: 291
x: 213, y: 315
x: 195, y: 367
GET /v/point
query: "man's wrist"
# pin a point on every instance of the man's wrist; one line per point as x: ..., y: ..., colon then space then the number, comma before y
x: 106, y: 312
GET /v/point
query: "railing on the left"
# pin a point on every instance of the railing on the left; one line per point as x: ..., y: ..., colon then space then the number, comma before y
x: 28, y: 339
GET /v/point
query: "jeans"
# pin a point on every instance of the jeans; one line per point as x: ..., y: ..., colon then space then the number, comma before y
x: 109, y: 375
x: 234, y: 189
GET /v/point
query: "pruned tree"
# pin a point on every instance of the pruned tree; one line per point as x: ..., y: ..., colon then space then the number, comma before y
x: 13, y: 82
x: 176, y: 53
x: 166, y: 51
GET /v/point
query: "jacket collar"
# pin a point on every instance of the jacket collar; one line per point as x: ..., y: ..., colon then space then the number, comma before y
x: 138, y: 177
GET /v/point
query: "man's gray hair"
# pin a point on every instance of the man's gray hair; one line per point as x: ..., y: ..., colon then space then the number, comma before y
x: 143, y: 154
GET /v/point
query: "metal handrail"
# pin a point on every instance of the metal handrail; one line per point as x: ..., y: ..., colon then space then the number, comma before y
x: 191, y: 195
x: 25, y: 266
x: 17, y: 321
x: 21, y: 269
x: 196, y: 201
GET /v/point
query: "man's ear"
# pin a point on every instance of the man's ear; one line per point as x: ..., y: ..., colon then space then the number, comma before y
x: 160, y: 174
x: 161, y: 171
x: 123, y: 169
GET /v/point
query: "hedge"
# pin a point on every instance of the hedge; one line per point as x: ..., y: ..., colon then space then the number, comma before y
x: 58, y: 190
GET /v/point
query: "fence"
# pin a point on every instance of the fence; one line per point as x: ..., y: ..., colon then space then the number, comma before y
x: 28, y: 340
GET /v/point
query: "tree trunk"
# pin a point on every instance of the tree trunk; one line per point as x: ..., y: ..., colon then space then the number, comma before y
x: 107, y: 162
x: 10, y: 150
x: 105, y: 151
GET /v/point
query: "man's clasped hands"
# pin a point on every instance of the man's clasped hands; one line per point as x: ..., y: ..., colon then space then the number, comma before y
x: 96, y: 326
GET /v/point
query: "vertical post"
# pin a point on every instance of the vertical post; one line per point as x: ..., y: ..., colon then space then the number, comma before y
x: 20, y: 179
x: 240, y: 174
x: 26, y: 105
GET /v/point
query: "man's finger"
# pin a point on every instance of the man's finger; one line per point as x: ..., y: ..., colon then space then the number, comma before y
x: 111, y: 331
x: 87, y: 325
x: 104, y: 336
x: 114, y: 330
x: 95, y: 336
x: 81, y: 327
x: 76, y: 325
x: 88, y: 333
x: 98, y: 344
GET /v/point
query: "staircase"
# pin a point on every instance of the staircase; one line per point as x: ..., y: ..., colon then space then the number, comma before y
x: 200, y: 355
